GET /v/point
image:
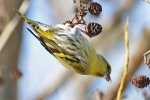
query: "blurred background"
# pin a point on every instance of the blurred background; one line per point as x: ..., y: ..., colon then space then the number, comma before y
x: 29, y: 72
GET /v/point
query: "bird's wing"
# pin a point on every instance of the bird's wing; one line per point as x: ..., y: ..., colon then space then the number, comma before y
x: 60, y: 51
x: 41, y: 28
x: 75, y: 45
x: 41, y: 41
x: 61, y: 54
x: 55, y: 48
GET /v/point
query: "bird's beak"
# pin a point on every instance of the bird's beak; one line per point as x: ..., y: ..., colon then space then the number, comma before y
x: 107, y: 77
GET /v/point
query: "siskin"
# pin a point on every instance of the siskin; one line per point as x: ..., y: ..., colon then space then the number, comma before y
x: 70, y: 48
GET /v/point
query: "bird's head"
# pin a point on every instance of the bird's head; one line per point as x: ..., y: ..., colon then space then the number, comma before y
x: 107, y: 74
x: 106, y: 69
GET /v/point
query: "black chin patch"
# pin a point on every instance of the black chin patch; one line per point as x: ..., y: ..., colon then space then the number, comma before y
x: 109, y: 68
x: 99, y: 74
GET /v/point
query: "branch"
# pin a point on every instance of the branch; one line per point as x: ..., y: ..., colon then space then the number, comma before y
x: 127, y: 61
x: 9, y: 28
x: 134, y: 64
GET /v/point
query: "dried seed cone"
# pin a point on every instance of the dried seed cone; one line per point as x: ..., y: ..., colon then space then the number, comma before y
x: 93, y: 29
x: 95, y: 8
x: 141, y: 81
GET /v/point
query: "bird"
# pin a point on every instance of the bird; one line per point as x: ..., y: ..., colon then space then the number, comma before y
x: 70, y: 48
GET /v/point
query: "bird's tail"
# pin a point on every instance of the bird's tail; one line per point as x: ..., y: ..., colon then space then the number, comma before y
x: 30, y: 22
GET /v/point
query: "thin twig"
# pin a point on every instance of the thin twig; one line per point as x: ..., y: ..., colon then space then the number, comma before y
x: 146, y: 94
x: 98, y: 94
x: 137, y: 57
x: 145, y: 56
x: 9, y: 28
x: 127, y: 61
